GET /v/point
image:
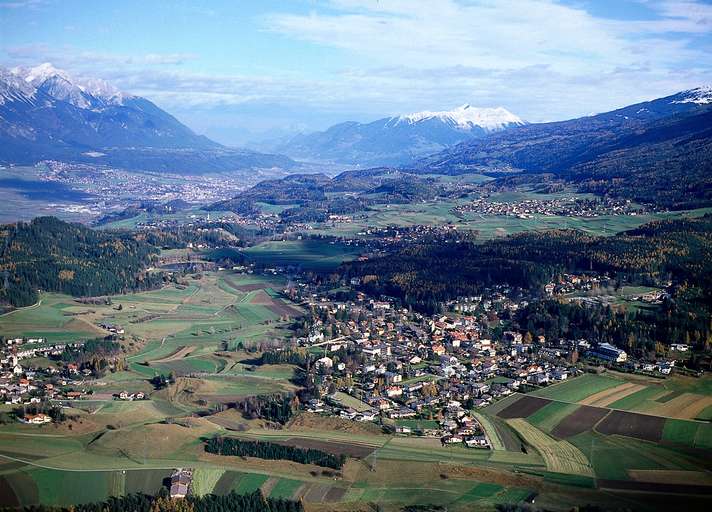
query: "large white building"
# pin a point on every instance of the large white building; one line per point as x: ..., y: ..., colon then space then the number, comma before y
x: 610, y: 353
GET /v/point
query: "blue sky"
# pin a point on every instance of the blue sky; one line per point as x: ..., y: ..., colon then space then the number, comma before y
x: 235, y: 69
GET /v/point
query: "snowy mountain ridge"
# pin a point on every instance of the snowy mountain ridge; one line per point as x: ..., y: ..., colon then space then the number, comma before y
x: 82, y: 93
x: 466, y: 117
x: 699, y: 95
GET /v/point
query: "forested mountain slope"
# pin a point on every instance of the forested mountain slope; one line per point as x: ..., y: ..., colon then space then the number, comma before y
x: 51, y: 255
x: 658, y: 151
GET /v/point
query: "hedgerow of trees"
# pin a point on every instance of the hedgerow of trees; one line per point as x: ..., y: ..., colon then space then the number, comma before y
x: 272, y: 451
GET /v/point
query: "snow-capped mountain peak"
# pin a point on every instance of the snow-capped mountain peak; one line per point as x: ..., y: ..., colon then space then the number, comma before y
x: 699, y: 95
x: 39, y: 74
x: 82, y: 93
x: 467, y: 117
x: 102, y: 89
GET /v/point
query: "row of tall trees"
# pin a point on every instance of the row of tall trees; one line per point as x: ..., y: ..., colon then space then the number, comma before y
x: 253, y: 502
x: 273, y: 451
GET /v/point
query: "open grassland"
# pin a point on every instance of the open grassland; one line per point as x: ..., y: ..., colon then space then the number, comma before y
x: 612, y: 457
x: 306, y: 254
x: 352, y: 402
x: 689, y: 433
x: 51, y: 318
x: 455, y: 477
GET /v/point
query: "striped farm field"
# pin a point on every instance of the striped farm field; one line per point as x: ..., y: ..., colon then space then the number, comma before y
x: 608, y: 396
x: 685, y: 406
x: 205, y: 480
x: 642, y: 400
x: 577, y: 389
x: 560, y: 456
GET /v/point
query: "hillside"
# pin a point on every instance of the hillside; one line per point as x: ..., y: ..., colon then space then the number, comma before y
x: 47, y: 114
x: 440, y: 270
x: 657, y: 151
x: 51, y: 255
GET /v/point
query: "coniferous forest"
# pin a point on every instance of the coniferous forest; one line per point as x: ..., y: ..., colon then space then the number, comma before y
x: 51, y: 255
x: 273, y: 451
x: 233, y: 502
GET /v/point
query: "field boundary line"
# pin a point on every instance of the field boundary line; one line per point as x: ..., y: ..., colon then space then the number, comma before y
x: 24, y: 308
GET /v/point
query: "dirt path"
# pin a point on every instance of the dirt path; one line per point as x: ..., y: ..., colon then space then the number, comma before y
x: 33, y: 306
x: 180, y: 354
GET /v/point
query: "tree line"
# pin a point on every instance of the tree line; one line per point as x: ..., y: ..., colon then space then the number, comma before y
x: 273, y: 451
x: 253, y: 502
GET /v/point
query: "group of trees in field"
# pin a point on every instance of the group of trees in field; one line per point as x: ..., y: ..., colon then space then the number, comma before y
x: 636, y: 331
x: 299, y: 358
x: 96, y: 355
x: 160, y: 381
x: 253, y: 502
x: 45, y: 407
x: 277, y: 408
x: 273, y: 451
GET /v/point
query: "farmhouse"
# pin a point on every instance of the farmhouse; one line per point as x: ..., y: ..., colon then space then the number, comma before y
x: 37, y: 419
x: 180, y: 482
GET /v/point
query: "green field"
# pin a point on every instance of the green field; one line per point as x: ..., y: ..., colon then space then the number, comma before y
x: 574, y: 390
x: 308, y: 254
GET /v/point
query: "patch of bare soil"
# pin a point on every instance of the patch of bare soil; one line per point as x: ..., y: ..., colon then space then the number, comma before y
x: 350, y: 450
x: 179, y: 354
x: 524, y: 407
x: 314, y: 422
x: 504, y: 478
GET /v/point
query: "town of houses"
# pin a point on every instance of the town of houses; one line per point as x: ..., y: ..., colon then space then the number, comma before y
x: 428, y: 375
x: 423, y: 375
x: 564, y: 207
x: 28, y: 377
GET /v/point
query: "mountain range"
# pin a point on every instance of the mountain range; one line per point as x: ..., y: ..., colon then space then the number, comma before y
x: 398, y: 140
x: 658, y: 151
x: 47, y: 114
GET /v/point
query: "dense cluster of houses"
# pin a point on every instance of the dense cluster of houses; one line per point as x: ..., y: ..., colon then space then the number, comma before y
x: 562, y: 207
x: 404, y: 366
x: 427, y: 374
x: 27, y: 377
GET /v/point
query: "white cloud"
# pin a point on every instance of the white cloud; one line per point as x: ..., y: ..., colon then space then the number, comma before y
x: 541, y: 59
x: 489, y: 34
